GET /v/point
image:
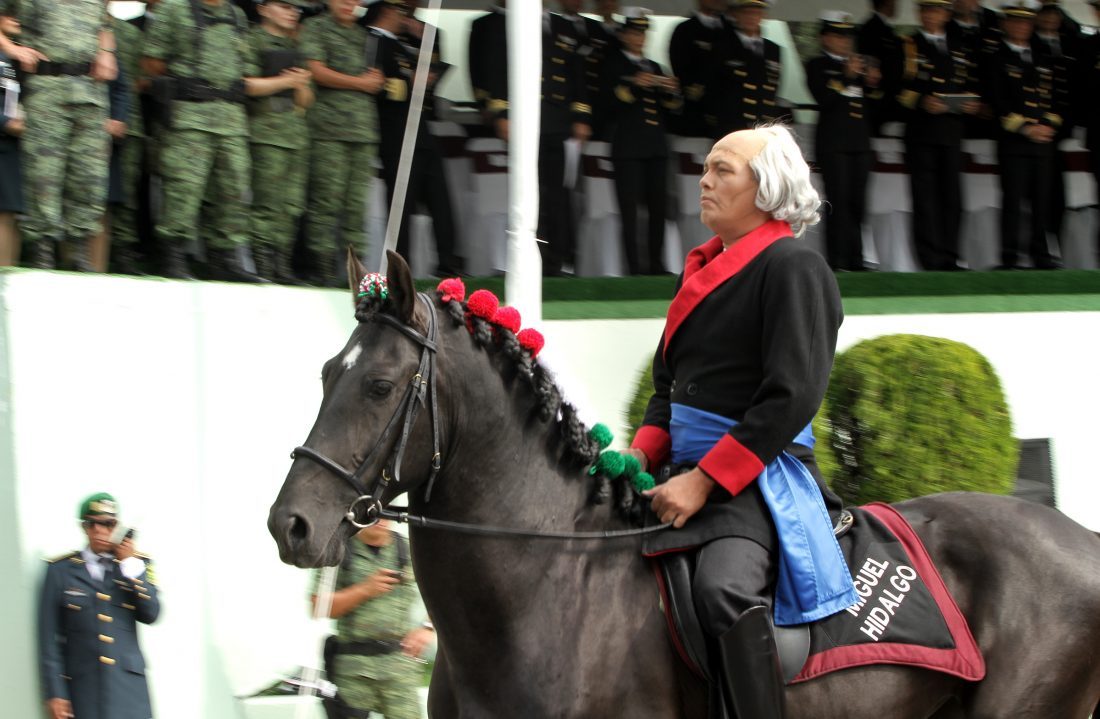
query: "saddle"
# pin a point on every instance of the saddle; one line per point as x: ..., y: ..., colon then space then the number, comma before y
x: 905, y: 614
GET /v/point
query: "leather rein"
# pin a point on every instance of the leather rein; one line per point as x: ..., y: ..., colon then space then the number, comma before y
x: 366, y: 509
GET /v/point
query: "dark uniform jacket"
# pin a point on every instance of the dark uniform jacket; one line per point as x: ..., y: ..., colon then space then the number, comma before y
x: 1061, y: 56
x: 398, y: 65
x: 636, y: 116
x: 564, y: 87
x: 749, y: 336
x: 488, y: 61
x: 876, y: 39
x: 748, y: 85
x: 87, y: 639
x: 927, y: 71
x: 1087, y: 90
x: 1023, y: 94
x: 843, y: 121
x: 693, y: 53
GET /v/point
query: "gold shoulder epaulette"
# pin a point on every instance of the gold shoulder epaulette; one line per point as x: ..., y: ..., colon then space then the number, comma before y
x: 66, y: 555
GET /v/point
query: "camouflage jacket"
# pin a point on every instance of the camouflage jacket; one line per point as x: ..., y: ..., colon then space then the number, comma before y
x: 221, y: 59
x: 275, y: 120
x: 66, y: 31
x: 386, y: 618
x: 128, y: 40
x: 343, y: 115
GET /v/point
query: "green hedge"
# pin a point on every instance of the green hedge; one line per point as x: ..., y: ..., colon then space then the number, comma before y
x: 904, y: 416
x: 911, y: 415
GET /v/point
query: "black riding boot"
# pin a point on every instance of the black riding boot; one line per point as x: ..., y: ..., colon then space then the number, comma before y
x: 225, y: 265
x: 750, y: 662
x: 175, y: 263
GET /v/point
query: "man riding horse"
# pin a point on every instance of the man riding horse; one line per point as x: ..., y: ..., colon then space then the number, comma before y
x: 738, y: 375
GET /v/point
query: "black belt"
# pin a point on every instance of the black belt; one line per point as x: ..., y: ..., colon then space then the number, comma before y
x: 368, y: 648
x: 189, y: 90
x: 53, y: 69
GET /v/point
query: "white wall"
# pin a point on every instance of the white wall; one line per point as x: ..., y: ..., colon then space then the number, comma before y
x: 184, y: 400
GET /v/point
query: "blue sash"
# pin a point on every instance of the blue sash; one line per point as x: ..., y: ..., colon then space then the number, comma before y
x: 814, y: 581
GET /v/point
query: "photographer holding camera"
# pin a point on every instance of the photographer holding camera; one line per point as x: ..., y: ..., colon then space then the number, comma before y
x: 90, y: 662
x: 375, y: 657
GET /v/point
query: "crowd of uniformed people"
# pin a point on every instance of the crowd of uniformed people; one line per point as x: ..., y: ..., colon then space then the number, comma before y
x: 259, y: 126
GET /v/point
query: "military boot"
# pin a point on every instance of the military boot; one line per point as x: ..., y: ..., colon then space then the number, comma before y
x: 79, y: 256
x: 125, y: 260
x: 176, y: 265
x: 751, y: 669
x: 264, y: 257
x: 224, y: 265
x: 44, y: 255
x: 284, y: 273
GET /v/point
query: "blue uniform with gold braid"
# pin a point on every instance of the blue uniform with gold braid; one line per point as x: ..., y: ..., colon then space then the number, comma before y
x: 87, y: 638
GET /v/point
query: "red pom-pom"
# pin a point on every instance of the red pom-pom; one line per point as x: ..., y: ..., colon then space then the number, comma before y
x: 508, y: 318
x: 483, y: 304
x: 531, y: 340
x: 451, y: 289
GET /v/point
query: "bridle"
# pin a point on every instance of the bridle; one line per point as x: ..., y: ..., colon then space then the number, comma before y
x: 367, y: 505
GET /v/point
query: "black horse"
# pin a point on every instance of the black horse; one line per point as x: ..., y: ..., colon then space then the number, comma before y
x: 572, y: 629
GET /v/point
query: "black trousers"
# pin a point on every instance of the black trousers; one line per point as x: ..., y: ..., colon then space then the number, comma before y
x: 845, y: 175
x: 732, y: 575
x: 1025, y: 178
x: 935, y: 181
x: 1056, y: 202
x: 427, y: 185
x: 556, y: 227
x: 642, y: 179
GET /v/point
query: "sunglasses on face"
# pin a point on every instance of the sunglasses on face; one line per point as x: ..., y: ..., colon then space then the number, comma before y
x: 91, y: 523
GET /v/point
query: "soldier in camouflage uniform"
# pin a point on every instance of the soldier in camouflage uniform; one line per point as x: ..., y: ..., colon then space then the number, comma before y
x: 374, y: 665
x: 204, y: 159
x: 124, y: 213
x: 68, y: 54
x: 344, y: 127
x: 280, y: 140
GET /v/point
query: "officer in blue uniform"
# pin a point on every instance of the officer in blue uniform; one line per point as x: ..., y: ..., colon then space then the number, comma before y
x: 90, y: 662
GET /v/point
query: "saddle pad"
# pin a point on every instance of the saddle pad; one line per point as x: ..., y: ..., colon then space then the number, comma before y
x: 906, y: 614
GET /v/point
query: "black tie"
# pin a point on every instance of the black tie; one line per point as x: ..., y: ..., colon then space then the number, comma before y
x: 1025, y: 55
x: 941, y: 45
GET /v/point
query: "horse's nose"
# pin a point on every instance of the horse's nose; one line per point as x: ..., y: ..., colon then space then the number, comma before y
x: 290, y: 530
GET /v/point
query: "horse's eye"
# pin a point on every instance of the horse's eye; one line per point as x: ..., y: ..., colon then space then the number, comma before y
x: 379, y: 388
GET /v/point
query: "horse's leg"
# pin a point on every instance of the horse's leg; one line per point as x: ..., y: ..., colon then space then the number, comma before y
x: 441, y: 698
x: 874, y: 692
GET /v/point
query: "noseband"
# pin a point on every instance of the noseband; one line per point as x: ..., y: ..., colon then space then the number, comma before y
x: 367, y: 505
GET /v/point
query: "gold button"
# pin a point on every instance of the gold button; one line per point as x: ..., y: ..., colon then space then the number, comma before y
x: 106, y: 639
x: 104, y: 618
x: 104, y: 597
x: 127, y: 606
x: 107, y: 660
x: 143, y: 596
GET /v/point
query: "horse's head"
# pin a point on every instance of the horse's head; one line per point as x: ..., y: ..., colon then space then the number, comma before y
x: 377, y: 420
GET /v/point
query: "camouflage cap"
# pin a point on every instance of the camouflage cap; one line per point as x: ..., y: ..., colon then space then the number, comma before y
x: 303, y: 4
x: 97, y: 504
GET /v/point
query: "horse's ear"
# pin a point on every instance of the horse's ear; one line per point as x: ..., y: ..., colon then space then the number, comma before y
x: 402, y: 292
x: 356, y: 272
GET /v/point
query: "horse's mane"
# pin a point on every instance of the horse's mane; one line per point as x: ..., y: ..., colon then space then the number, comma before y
x: 549, y: 405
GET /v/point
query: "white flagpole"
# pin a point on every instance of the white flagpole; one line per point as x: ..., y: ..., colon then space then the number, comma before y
x: 523, y: 281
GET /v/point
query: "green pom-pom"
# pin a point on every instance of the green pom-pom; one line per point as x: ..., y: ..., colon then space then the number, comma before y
x: 644, y: 481
x: 609, y: 464
x: 631, y: 466
x: 601, y: 435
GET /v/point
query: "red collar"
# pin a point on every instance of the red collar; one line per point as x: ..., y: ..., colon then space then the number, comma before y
x: 707, y: 267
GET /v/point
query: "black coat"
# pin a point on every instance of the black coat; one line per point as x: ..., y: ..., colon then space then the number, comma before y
x: 1023, y: 94
x: 488, y: 62
x: 635, y: 116
x: 693, y: 52
x: 878, y: 40
x: 843, y: 121
x: 87, y: 639
x: 748, y: 85
x: 750, y: 337
x: 927, y: 71
x: 398, y: 65
x: 564, y: 88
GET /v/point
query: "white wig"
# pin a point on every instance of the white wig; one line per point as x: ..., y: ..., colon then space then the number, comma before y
x: 785, y: 189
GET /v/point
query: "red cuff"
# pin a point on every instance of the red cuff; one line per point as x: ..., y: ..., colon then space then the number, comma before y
x: 731, y: 464
x: 654, y: 442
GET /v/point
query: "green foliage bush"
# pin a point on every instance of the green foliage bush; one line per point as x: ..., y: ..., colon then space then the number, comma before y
x: 904, y: 416
x: 912, y: 415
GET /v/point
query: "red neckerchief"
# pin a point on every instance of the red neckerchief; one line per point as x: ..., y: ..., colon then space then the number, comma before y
x: 707, y: 267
